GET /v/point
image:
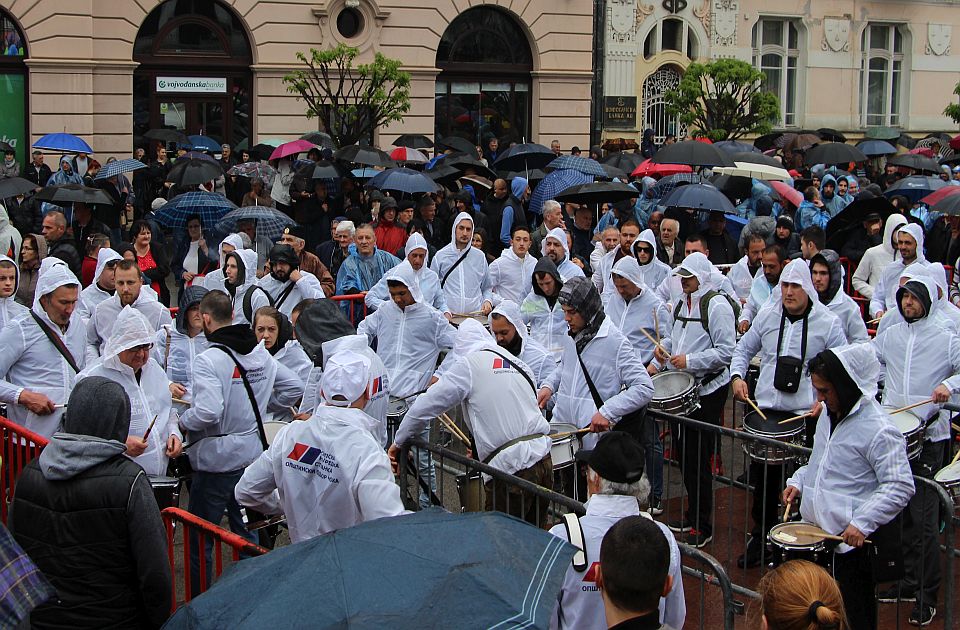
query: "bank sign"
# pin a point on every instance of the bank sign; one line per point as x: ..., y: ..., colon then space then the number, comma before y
x: 205, y: 85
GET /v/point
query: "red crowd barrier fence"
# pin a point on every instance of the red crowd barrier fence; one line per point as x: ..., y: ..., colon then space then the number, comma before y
x: 20, y: 447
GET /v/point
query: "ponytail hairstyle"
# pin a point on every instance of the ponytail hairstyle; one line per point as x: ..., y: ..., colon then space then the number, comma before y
x: 800, y: 595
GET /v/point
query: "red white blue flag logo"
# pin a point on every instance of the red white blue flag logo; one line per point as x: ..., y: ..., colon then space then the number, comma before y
x: 376, y: 387
x: 501, y: 364
x: 304, y: 454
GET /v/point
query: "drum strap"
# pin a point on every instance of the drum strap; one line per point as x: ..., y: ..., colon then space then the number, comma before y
x: 571, y: 522
x: 253, y: 399
x: 503, y: 447
x: 56, y: 341
x: 593, y: 388
x: 443, y: 280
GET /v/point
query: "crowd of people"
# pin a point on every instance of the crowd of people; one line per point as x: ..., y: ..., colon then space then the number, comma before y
x: 278, y: 399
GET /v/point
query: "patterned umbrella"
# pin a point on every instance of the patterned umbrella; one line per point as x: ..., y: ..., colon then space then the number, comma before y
x: 320, y: 139
x: 574, y: 163
x: 666, y: 185
x: 116, y: 167
x: 555, y: 183
x: 211, y: 207
x: 254, y: 169
x: 270, y: 222
x: 406, y: 154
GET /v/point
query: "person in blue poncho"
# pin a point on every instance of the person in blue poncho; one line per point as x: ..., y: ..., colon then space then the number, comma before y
x: 365, y: 264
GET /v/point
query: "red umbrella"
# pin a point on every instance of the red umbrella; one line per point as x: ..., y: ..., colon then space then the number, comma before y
x: 788, y: 192
x: 924, y: 151
x: 955, y: 143
x: 652, y: 169
x: 291, y: 148
x: 938, y: 195
x: 406, y: 154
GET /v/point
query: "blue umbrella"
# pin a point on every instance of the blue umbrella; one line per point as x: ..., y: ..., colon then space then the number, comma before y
x: 732, y: 146
x: 66, y: 142
x: 112, y: 169
x: 873, y: 148
x: 364, y: 173
x: 915, y: 187
x: 403, y: 180
x: 270, y: 222
x: 572, y: 162
x: 203, y: 143
x: 431, y: 569
x: 555, y: 183
x: 211, y: 207
x: 666, y: 185
x: 699, y: 196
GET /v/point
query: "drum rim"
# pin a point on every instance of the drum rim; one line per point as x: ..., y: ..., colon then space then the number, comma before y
x: 788, y: 545
x: 955, y: 466
x: 672, y: 374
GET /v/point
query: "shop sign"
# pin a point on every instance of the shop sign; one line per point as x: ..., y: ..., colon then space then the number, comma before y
x: 206, y: 85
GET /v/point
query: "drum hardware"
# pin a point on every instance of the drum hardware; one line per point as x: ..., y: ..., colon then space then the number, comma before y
x: 272, y: 428
x: 754, y: 424
x: 564, y: 444
x: 799, y: 541
x: 912, y: 429
x: 396, y: 410
x: 471, y: 491
x: 166, y: 490
x: 949, y: 478
x: 675, y: 392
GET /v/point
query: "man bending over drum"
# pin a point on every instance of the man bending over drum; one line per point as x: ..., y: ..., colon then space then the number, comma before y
x: 858, y: 476
x: 785, y: 334
x: 701, y: 342
x: 918, y: 353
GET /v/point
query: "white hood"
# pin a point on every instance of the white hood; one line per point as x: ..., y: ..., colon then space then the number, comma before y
x: 414, y: 242
x: 453, y: 229
x: 404, y: 273
x: 894, y: 222
x: 104, y: 256
x: 559, y: 235
x: 701, y: 267
x: 16, y: 274
x: 924, y: 276
x: 916, y: 232
x: 248, y: 258
x: 53, y: 274
x: 233, y: 239
x: 472, y: 337
x: 797, y: 272
x: 629, y: 269
x: 130, y: 330
x: 860, y: 362
x: 510, y: 310
x: 939, y: 275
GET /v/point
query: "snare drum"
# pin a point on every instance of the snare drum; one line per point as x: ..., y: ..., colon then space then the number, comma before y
x: 564, y: 449
x: 456, y: 320
x: 949, y: 478
x: 271, y: 429
x: 798, y: 541
x: 396, y: 410
x: 790, y: 433
x: 471, y: 491
x: 675, y: 392
x: 912, y: 428
x: 166, y: 490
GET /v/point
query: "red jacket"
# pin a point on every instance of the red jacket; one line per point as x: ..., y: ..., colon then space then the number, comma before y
x: 390, y: 236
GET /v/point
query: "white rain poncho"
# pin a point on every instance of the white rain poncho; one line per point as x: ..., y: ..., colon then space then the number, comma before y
x: 876, y: 258
x: 467, y: 287
x: 92, y: 295
x: 427, y: 280
x: 101, y: 323
x: 824, y: 330
x: 10, y: 309
x: 511, y: 277
x: 307, y: 287
x: 645, y: 312
x: 215, y: 279
x: 708, y: 353
x: 741, y: 278
x: 149, y: 394
x: 858, y: 472
x: 539, y: 359
x: 30, y: 361
x: 566, y: 268
x: 655, y: 271
x: 885, y: 293
x: 944, y: 313
x: 247, y: 263
x: 409, y: 340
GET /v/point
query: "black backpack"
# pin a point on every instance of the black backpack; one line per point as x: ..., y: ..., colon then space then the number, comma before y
x: 248, y: 297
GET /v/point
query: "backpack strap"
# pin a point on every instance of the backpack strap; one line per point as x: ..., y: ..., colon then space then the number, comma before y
x: 248, y: 301
x: 571, y: 522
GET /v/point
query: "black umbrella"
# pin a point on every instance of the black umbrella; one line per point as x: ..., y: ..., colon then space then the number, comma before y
x: 833, y: 153
x: 734, y: 187
x: 614, y: 172
x: 74, y: 193
x: 262, y: 151
x: 168, y: 135
x: 734, y: 146
x: 597, y: 192
x: 853, y: 216
x: 767, y: 141
x: 831, y: 135
x: 915, y: 161
x: 466, y: 164
x: 700, y: 197
x: 194, y: 172
x: 533, y: 175
x: 948, y: 205
x: 906, y: 141
x: 627, y: 162
x: 692, y: 153
x: 326, y: 170
x: 757, y: 158
x: 321, y: 139
x: 369, y: 156
x: 13, y: 186
x: 443, y: 173
x: 524, y: 156
x: 413, y: 141
x: 456, y: 143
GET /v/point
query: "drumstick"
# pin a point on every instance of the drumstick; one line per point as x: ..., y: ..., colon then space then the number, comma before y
x: 922, y: 402
x: 955, y: 427
x: 454, y: 430
x: 453, y: 427
x: 558, y: 436
x: 60, y: 406
x: 273, y: 520
x: 755, y: 408
x: 180, y: 400
x: 656, y: 325
x: 955, y: 458
x: 795, y: 418
x: 817, y: 532
x: 150, y: 428
x: 875, y: 321
x: 654, y: 341
x: 786, y: 511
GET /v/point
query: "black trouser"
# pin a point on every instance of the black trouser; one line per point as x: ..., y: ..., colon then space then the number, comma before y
x: 853, y: 575
x: 921, y: 553
x: 768, y: 481
x: 696, y: 446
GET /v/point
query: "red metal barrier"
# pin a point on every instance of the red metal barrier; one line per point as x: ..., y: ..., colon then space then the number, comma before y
x: 220, y: 537
x: 353, y: 299
x: 20, y: 447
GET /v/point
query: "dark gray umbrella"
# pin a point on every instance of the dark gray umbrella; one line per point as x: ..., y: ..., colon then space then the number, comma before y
x: 13, y: 186
x: 692, y: 153
x: 326, y: 170
x: 194, y: 171
x: 368, y: 156
x: 74, y: 193
x: 733, y: 146
x: 457, y: 143
x: 699, y: 196
x: 597, y: 192
x: 831, y: 135
x: 757, y: 158
x: 413, y: 141
x: 915, y: 161
x: 873, y: 148
x: 627, y: 162
x: 833, y: 153
x: 523, y: 157
x: 321, y: 139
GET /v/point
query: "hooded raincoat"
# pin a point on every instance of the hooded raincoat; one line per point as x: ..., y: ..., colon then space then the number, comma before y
x: 30, y: 360
x: 741, y: 278
x: 858, y: 473
x: 841, y: 304
x: 409, y: 340
x: 655, y: 271
x: 246, y: 282
x: 547, y: 324
x: 175, y: 350
x: 885, y: 293
x: 541, y: 361
x: 10, y: 239
x: 427, y: 280
x: 824, y: 331
x: 875, y: 259
x: 645, y: 312
x: 149, y: 392
x: 104, y: 317
x: 215, y: 279
x: 92, y: 295
x: 467, y: 286
x: 511, y: 277
x: 9, y: 308
x: 566, y: 268
x: 307, y: 287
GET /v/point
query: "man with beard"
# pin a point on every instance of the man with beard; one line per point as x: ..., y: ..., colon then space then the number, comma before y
x: 295, y: 236
x: 743, y: 272
x: 129, y: 292
x: 827, y: 278
x: 286, y: 284
x: 773, y: 261
x: 511, y: 334
x: 103, y: 285
x: 556, y: 248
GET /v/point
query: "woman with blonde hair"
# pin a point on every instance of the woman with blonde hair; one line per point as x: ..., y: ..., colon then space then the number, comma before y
x: 800, y: 595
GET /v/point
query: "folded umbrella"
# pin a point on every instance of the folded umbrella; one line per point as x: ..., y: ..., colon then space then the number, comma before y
x: 915, y: 187
x: 649, y: 168
x: 873, y: 148
x: 74, y: 193
x: 414, y: 141
x: 13, y: 186
x: 755, y: 171
x: 193, y: 172
x: 788, y: 192
x: 429, y: 569
x: 287, y: 149
x: 203, y: 143
x: 700, y: 197
x: 403, y: 180
x: 692, y: 153
x: 597, y: 193
x: 553, y: 184
x: 66, y: 142
x: 210, y: 207
x: 853, y: 215
x: 523, y: 157
x: 368, y: 156
x: 319, y: 138
x: 112, y: 169
x: 833, y: 153
x: 915, y: 161
x: 575, y: 163
x: 270, y: 222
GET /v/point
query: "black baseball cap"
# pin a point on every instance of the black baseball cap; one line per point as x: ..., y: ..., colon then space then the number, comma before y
x: 617, y: 457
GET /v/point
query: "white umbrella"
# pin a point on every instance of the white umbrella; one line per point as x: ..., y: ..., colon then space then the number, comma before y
x: 756, y: 171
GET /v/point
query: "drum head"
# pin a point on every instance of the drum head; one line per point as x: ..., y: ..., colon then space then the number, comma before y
x: 797, y: 534
x: 948, y: 474
x: 671, y: 383
x: 771, y: 426
x: 906, y: 422
x: 397, y: 407
x: 271, y: 429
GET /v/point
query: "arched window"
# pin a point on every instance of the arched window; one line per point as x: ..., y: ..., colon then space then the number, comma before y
x: 13, y: 87
x: 671, y: 34
x: 191, y: 28
x: 483, y: 89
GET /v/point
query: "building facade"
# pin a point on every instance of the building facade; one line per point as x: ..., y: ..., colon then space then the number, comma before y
x: 110, y: 71
x: 843, y: 64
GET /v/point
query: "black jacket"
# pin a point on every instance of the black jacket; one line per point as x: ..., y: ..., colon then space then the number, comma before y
x: 39, y: 176
x: 493, y: 209
x: 25, y: 215
x: 723, y: 249
x: 66, y: 250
